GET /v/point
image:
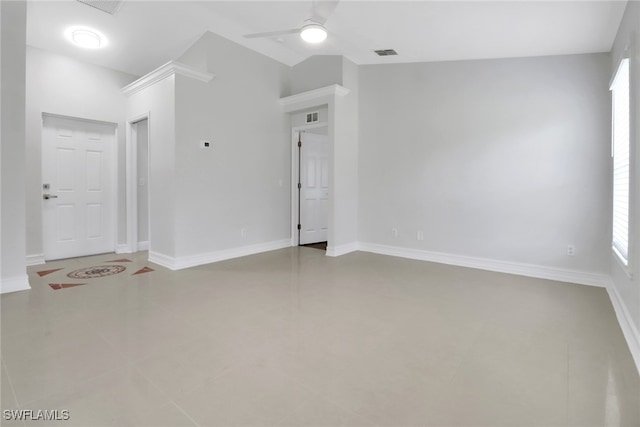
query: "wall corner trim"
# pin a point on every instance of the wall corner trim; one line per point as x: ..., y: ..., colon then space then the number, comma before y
x: 163, y: 260
x: 123, y: 249
x: 335, y: 251
x: 14, y: 284
x: 293, y: 102
x: 629, y: 329
x: 35, y: 259
x: 169, y: 69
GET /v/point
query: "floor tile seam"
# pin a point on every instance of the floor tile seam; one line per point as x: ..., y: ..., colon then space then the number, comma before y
x: 466, y: 354
x: 313, y: 391
x: 13, y: 392
x: 185, y: 413
x: 73, y: 388
x: 187, y: 390
x: 169, y: 398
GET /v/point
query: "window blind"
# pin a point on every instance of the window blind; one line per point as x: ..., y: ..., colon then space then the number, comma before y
x: 620, y: 99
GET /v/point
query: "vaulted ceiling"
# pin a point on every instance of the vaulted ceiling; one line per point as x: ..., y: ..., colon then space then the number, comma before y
x: 145, y: 34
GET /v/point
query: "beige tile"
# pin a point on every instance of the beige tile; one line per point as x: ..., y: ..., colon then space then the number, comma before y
x: 41, y: 364
x: 168, y: 415
x: 318, y: 412
x: 112, y: 399
x: 247, y: 395
x: 292, y: 337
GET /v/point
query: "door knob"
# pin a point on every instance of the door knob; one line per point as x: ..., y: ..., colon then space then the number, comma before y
x: 49, y: 196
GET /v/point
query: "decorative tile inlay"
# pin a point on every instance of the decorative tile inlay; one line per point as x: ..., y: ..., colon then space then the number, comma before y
x: 97, y: 271
x: 143, y: 270
x: 121, y: 260
x: 45, y: 272
x: 57, y: 286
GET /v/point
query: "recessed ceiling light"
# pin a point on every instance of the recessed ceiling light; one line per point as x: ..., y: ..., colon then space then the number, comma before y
x: 313, y: 33
x: 85, y: 37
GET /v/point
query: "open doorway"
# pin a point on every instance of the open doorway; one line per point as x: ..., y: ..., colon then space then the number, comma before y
x: 313, y: 187
x: 138, y: 212
x: 142, y: 161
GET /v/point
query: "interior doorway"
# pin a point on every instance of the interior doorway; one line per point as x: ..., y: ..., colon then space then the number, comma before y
x: 78, y: 187
x: 141, y: 134
x: 138, y: 212
x: 313, y: 186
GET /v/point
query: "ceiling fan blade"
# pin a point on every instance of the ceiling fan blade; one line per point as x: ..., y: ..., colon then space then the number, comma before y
x: 272, y: 33
x: 322, y: 10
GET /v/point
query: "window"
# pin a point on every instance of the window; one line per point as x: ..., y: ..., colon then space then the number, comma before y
x: 620, y: 145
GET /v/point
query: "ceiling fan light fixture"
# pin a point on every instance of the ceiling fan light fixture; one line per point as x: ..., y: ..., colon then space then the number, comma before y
x: 85, y: 37
x: 313, y: 33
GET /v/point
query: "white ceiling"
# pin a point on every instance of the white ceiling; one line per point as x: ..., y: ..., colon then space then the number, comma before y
x: 145, y: 34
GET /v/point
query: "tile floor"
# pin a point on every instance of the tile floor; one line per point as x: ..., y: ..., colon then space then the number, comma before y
x: 294, y: 338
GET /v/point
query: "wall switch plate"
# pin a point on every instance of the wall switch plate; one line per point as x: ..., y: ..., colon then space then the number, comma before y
x: 205, y: 144
x: 419, y: 235
x: 394, y: 232
x: 243, y: 232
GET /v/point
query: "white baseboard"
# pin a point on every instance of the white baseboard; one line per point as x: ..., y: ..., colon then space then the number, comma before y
x: 629, y: 329
x: 165, y: 261
x: 35, y: 259
x: 14, y: 284
x: 124, y: 249
x: 335, y: 251
x: 521, y: 269
x: 143, y: 246
x: 179, y: 263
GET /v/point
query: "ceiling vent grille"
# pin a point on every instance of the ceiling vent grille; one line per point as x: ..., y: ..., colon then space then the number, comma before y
x: 386, y: 52
x: 108, y: 6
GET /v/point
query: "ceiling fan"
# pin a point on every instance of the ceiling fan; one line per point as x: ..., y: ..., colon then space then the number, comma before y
x: 312, y: 29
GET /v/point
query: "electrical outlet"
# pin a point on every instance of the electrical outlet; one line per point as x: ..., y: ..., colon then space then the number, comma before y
x: 419, y: 235
x: 394, y: 232
x: 571, y: 250
x: 205, y: 144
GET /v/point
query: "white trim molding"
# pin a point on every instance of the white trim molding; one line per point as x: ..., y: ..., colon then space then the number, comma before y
x: 123, y: 249
x: 180, y: 263
x: 169, y: 69
x: 335, y: 251
x: 312, y: 97
x: 629, y: 329
x: 15, y: 284
x: 35, y: 259
x: 520, y: 269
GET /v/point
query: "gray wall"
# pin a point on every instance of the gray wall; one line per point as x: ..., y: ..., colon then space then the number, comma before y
x: 243, y: 181
x: 61, y: 85
x: 497, y: 159
x: 316, y: 72
x: 13, y: 17
x: 628, y: 289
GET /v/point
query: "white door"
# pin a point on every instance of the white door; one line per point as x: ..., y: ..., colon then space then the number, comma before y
x: 77, y: 191
x: 314, y: 188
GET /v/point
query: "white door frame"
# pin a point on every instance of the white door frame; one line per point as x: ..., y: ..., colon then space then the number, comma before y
x: 114, y: 170
x: 131, y: 244
x: 295, y: 168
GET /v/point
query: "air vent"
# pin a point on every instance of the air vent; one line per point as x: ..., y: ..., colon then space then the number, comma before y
x: 386, y: 52
x: 312, y: 117
x: 108, y: 6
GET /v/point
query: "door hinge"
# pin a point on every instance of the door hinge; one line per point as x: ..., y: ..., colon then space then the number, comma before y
x: 299, y: 144
x: 299, y: 227
x: 299, y: 186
